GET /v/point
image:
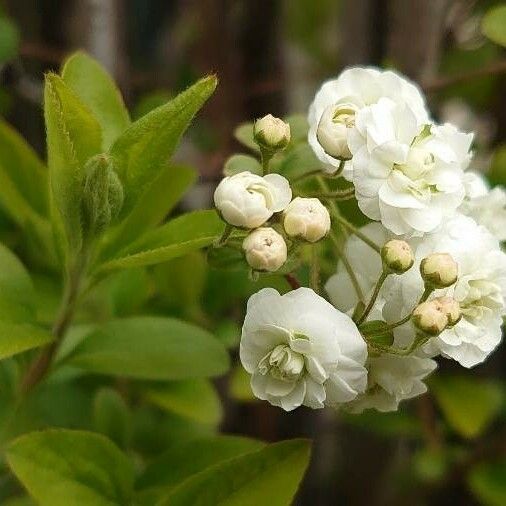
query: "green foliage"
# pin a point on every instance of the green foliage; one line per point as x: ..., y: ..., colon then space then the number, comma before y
x: 151, y: 348
x: 497, y: 173
x: 268, y: 476
x: 488, y: 482
x: 111, y: 416
x: 493, y: 25
x: 469, y: 405
x: 61, y: 467
x: 240, y: 163
x: 9, y: 39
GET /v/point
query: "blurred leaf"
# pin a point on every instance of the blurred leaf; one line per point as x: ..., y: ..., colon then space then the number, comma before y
x: 19, y: 501
x: 298, y: 127
x: 9, y: 39
x: 229, y: 333
x: 239, y: 385
x: 144, y: 149
x: 395, y: 424
x: 63, y: 467
x: 493, y: 25
x: 244, y: 134
x: 151, y: 348
x: 468, y: 404
x: 18, y: 337
x: 178, y: 237
x: 497, y: 173
x: 240, y: 163
x: 193, y: 399
x: 187, y: 458
x: 431, y: 464
x: 227, y: 258
x: 95, y: 87
x: 111, y: 416
x: 153, y: 206
x: 268, y: 476
x: 73, y: 136
x: 487, y: 481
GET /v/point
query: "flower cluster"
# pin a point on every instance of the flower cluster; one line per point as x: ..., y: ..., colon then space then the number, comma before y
x: 424, y: 279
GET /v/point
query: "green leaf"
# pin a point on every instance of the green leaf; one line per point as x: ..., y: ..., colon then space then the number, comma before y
x: 154, y: 205
x: 193, y: 399
x: 178, y: 237
x: 298, y: 127
x: 187, y: 458
x: 95, y: 87
x: 73, y: 136
x: 497, y: 172
x: 244, y: 134
x: 487, y: 481
x: 63, y: 467
x: 151, y: 348
x: 23, y: 178
x: 9, y: 39
x: 240, y: 385
x: 468, y: 404
x: 143, y: 150
x: 111, y: 416
x: 241, y: 163
x: 268, y: 476
x: 377, y: 331
x: 493, y: 25
x: 18, y: 337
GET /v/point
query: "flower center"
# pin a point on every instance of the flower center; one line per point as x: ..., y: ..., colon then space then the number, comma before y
x: 419, y: 164
x: 262, y: 192
x: 282, y: 363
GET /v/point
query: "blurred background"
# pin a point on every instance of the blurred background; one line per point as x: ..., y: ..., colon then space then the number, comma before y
x: 271, y: 56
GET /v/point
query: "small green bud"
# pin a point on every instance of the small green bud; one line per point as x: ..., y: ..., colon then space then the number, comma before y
x: 102, y: 194
x: 439, y: 270
x: 271, y: 134
x: 397, y: 256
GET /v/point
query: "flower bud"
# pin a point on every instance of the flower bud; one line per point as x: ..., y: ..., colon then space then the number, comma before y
x: 306, y: 218
x: 102, y: 194
x: 449, y: 307
x: 429, y: 318
x: 397, y: 256
x: 439, y: 270
x: 333, y: 128
x: 271, y: 133
x: 265, y: 249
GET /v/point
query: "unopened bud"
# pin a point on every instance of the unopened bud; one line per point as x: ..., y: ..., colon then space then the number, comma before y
x: 397, y: 256
x: 271, y: 133
x: 265, y: 249
x: 102, y: 194
x: 306, y: 218
x: 450, y: 307
x: 439, y: 270
x: 429, y: 318
x: 333, y: 128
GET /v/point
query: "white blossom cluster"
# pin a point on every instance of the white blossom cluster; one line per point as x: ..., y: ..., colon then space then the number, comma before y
x: 428, y: 273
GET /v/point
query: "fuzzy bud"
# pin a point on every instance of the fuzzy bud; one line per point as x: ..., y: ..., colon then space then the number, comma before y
x: 307, y: 219
x: 439, y: 270
x: 102, y: 194
x: 429, y: 318
x: 397, y: 256
x: 449, y: 307
x: 271, y: 133
x: 265, y: 249
x: 333, y: 128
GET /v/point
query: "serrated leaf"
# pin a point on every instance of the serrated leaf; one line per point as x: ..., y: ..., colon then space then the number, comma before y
x: 493, y: 25
x: 268, y: 476
x: 151, y: 348
x: 144, y: 149
x: 377, y: 331
x: 95, y: 87
x: 18, y: 337
x: 196, y: 400
x: 73, y: 136
x: 178, y: 237
x: 240, y: 163
x: 187, y: 458
x: 154, y: 205
x: 62, y: 467
x: 469, y: 404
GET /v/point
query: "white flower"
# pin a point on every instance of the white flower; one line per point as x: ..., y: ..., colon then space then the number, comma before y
x: 306, y: 218
x: 408, y: 178
x: 393, y: 379
x: 300, y: 350
x: 272, y: 133
x: 248, y: 200
x: 365, y: 263
x: 265, y: 249
x: 487, y: 206
x: 331, y: 115
x: 480, y: 290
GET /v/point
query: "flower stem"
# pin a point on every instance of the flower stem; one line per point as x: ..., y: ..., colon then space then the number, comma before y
x: 373, y: 298
x: 354, y: 230
x: 224, y: 236
x: 346, y: 194
x: 292, y: 281
x: 266, y: 157
x: 315, y: 269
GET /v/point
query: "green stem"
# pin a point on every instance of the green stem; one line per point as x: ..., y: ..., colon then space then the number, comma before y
x: 315, y: 269
x: 224, y: 236
x: 266, y: 157
x: 346, y: 194
x: 373, y: 298
x: 354, y: 230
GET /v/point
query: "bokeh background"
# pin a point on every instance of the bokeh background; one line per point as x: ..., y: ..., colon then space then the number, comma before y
x: 448, y: 447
